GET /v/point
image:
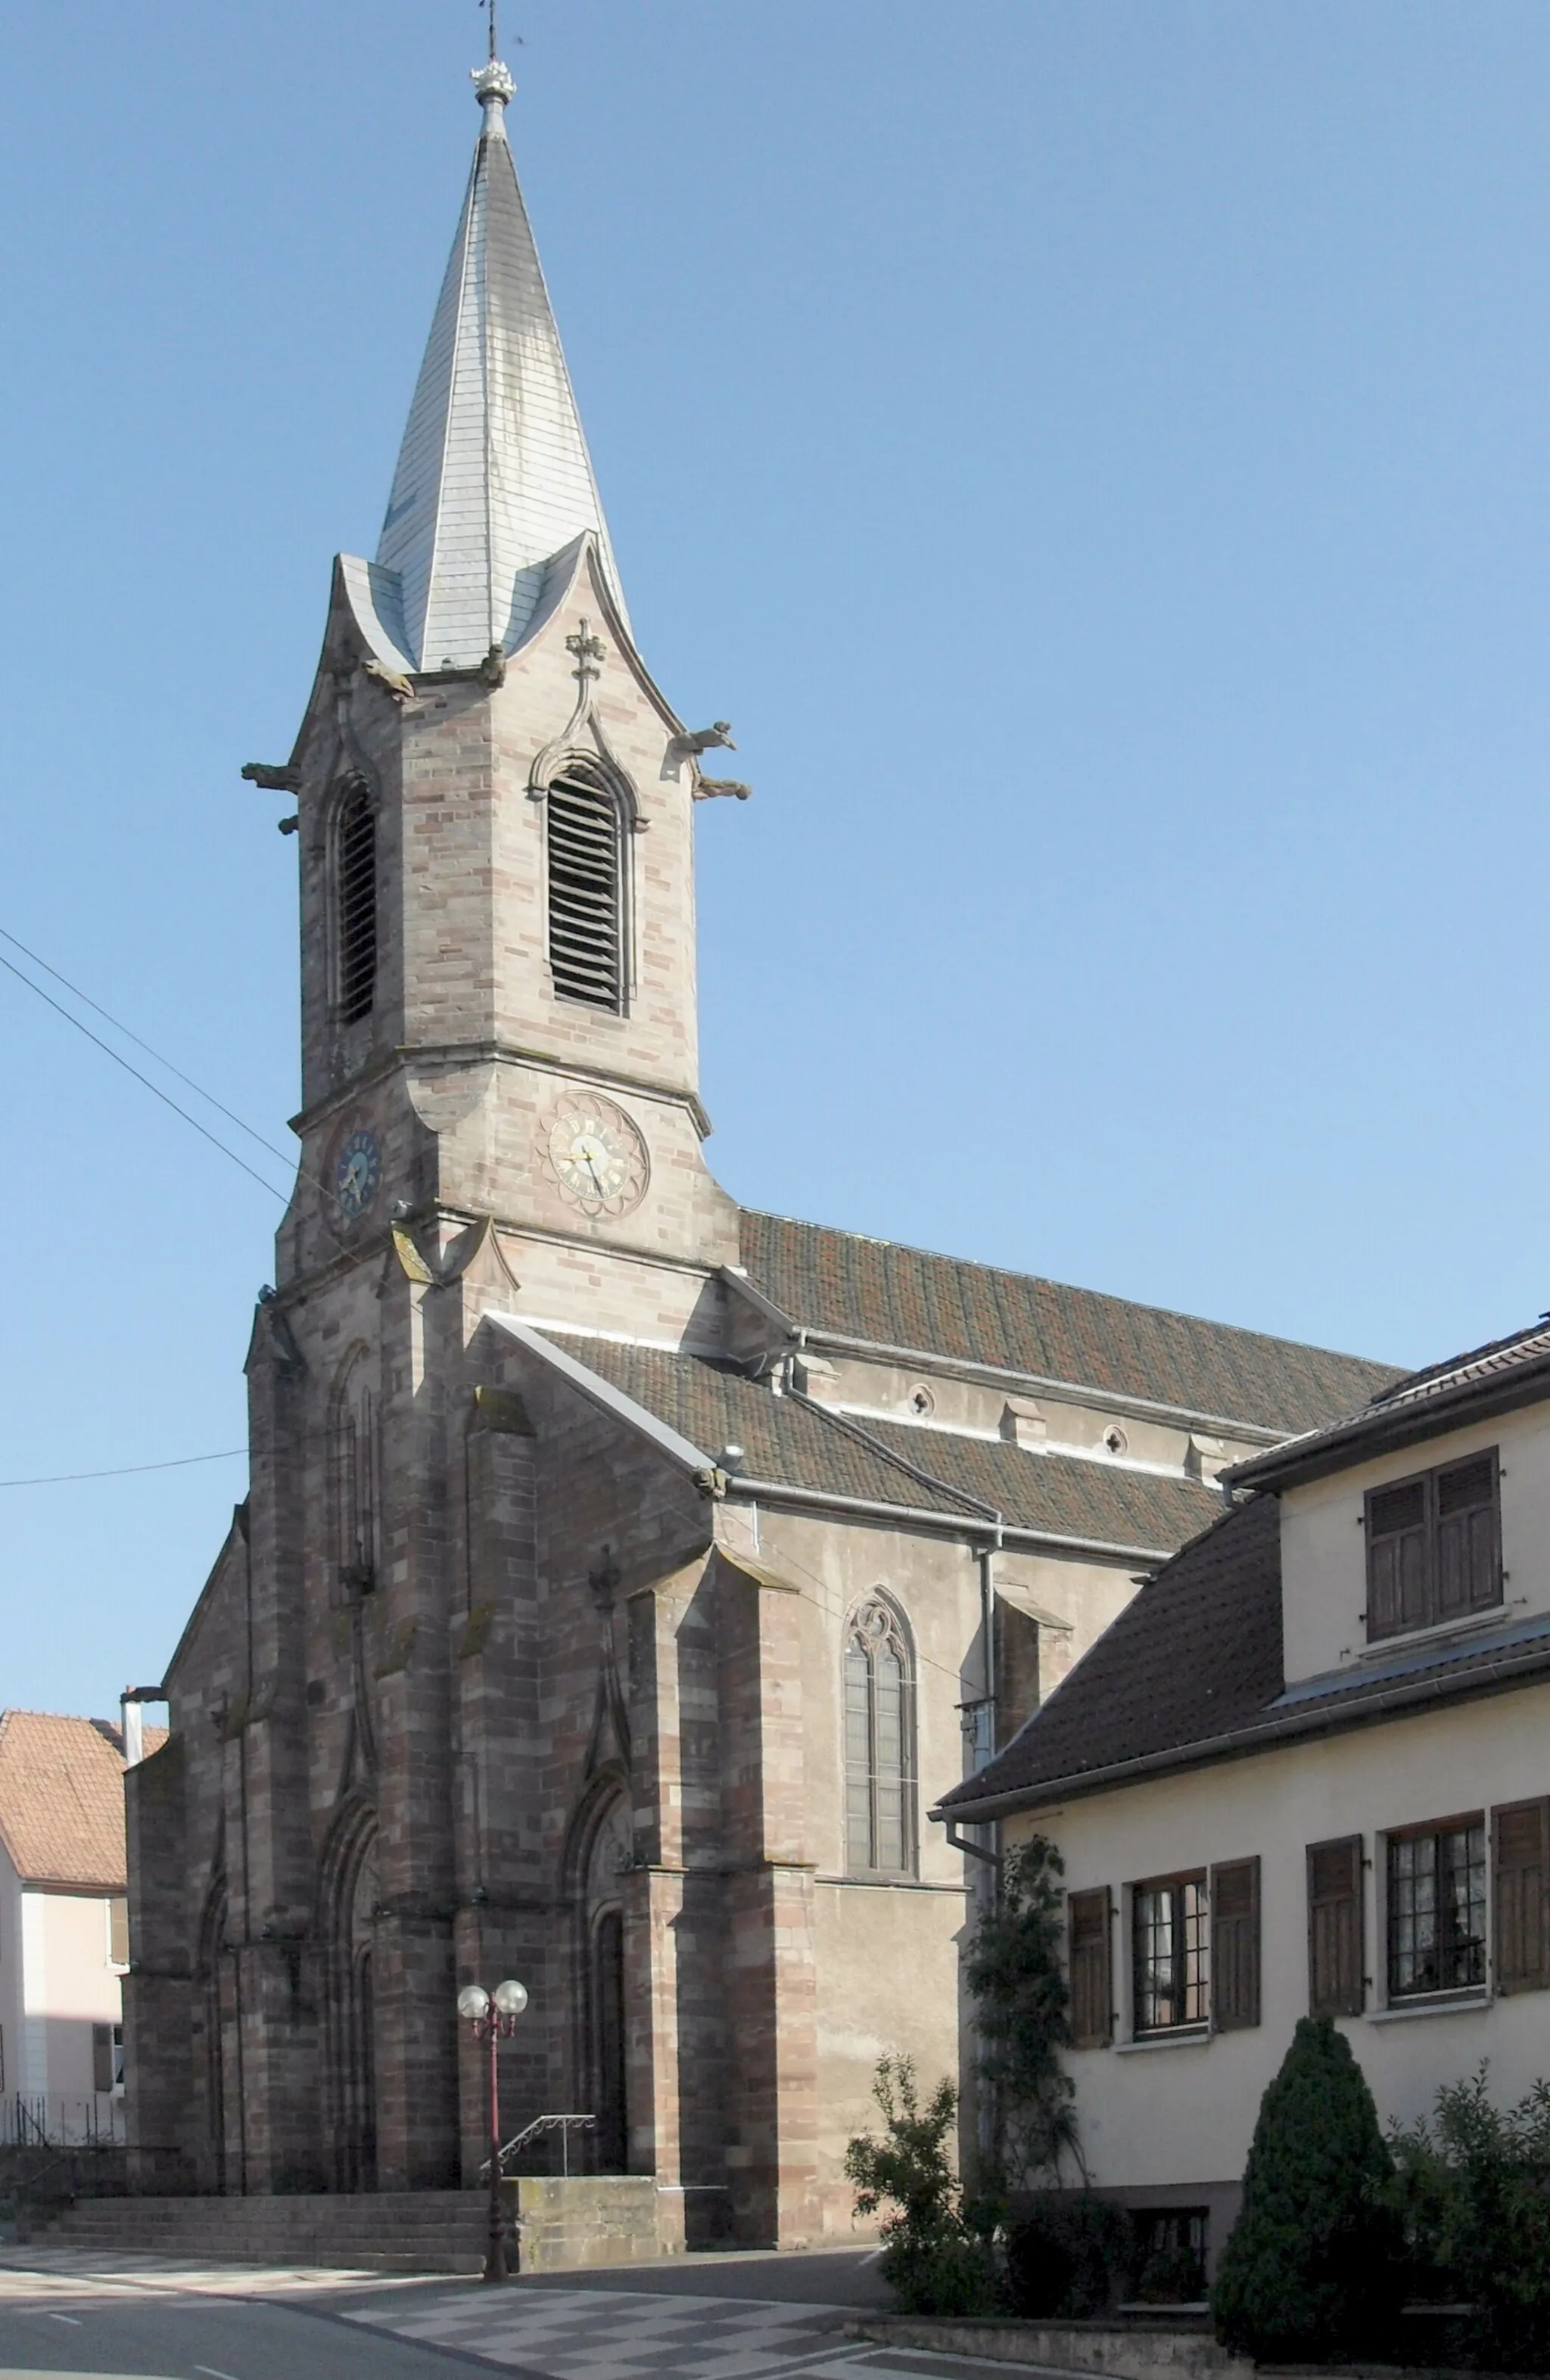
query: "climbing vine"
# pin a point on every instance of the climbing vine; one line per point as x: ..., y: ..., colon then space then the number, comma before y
x: 1017, y: 1978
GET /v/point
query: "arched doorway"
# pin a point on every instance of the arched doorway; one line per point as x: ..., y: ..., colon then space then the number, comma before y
x: 605, y: 2063
x: 218, y: 2007
x: 349, y: 2034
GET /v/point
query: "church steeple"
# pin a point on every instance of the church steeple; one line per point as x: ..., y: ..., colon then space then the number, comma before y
x: 493, y: 478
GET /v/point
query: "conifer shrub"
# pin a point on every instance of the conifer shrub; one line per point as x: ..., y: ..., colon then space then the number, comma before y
x: 1314, y: 2269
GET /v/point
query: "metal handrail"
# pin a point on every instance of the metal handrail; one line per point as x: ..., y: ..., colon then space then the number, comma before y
x: 540, y: 2124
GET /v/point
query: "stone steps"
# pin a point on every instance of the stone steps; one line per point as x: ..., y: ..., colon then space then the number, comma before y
x: 402, y: 2231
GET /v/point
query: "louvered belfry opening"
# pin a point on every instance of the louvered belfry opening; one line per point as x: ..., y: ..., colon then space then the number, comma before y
x: 586, y: 904
x: 355, y: 863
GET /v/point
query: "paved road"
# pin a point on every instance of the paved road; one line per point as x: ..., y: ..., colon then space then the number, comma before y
x: 69, y: 2313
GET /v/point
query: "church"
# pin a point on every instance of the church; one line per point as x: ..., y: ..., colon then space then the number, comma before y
x: 623, y: 1575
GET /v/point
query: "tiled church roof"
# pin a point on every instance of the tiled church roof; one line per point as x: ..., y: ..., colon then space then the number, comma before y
x: 840, y: 1283
x: 787, y: 1441
x: 62, y: 1798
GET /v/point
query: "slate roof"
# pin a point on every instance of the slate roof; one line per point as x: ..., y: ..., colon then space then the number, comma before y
x: 850, y: 1287
x: 797, y: 1444
x: 62, y: 1798
x: 493, y: 479
x: 1190, y: 1671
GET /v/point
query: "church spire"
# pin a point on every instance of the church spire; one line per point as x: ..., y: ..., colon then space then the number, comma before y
x: 493, y: 476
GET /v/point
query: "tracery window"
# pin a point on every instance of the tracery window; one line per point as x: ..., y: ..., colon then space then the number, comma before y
x: 879, y: 1742
x: 355, y: 901
x: 586, y: 888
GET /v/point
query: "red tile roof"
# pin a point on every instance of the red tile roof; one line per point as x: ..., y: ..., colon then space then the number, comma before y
x: 62, y: 1798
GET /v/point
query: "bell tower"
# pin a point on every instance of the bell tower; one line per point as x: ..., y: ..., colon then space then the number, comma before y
x: 495, y: 807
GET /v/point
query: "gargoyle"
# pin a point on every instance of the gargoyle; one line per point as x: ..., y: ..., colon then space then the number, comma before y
x: 710, y: 789
x: 392, y: 682
x: 283, y: 779
x: 689, y: 747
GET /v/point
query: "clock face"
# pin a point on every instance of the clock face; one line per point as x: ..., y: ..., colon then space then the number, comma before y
x: 597, y: 1157
x: 356, y: 1173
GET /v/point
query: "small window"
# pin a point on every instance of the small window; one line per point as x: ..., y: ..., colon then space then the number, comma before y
x: 118, y: 1932
x: 1170, y: 1939
x: 107, y: 2058
x: 354, y: 894
x: 1434, y: 1547
x: 586, y: 877
x: 879, y: 1745
x: 1436, y: 1910
x: 1170, y: 2255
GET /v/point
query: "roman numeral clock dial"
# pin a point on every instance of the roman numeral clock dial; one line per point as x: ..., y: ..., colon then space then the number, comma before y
x: 595, y: 1158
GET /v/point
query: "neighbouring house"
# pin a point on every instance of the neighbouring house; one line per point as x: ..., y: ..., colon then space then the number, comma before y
x: 618, y: 1563
x: 64, y: 1934
x: 1308, y: 1769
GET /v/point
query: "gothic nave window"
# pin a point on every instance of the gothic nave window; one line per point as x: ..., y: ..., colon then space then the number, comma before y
x: 879, y: 1743
x: 355, y: 890
x: 586, y: 889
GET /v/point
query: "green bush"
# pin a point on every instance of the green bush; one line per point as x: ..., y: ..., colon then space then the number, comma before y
x: 1473, y: 2189
x: 1314, y: 2269
x: 1068, y: 2256
x: 934, y: 2257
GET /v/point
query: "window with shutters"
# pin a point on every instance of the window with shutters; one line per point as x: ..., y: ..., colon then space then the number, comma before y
x: 1434, y: 1547
x: 1089, y: 1920
x: 1171, y: 1953
x: 355, y: 903
x: 1234, y: 1945
x: 879, y: 1742
x: 586, y: 888
x: 1336, y: 1904
x: 1437, y: 1909
x: 1520, y: 1864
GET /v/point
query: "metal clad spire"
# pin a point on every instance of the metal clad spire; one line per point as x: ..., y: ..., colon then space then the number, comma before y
x: 493, y: 478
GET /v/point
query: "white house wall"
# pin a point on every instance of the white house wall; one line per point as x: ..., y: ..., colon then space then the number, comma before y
x: 1323, y: 1564
x: 1181, y: 2111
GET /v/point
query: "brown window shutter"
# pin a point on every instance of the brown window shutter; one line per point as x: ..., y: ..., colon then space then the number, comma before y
x: 1090, y: 1937
x: 1234, y: 1945
x: 119, y: 1931
x: 1335, y: 1929
x: 102, y: 2058
x: 1397, y: 1583
x: 1520, y: 1856
x: 1469, y: 1571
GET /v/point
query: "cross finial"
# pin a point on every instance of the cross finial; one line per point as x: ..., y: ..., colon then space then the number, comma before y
x: 589, y: 650
x: 493, y: 80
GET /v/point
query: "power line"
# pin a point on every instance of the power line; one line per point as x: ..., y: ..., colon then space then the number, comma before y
x: 285, y: 1157
x: 154, y: 1089
x: 178, y: 1463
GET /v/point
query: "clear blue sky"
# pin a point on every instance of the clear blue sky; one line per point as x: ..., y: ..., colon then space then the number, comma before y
x: 1096, y: 454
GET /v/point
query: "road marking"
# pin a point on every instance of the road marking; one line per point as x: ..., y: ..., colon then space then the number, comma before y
x: 209, y: 2368
x: 73, y: 2319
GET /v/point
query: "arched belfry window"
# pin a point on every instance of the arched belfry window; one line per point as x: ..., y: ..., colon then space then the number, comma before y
x: 587, y: 887
x: 355, y: 902
x: 879, y: 1742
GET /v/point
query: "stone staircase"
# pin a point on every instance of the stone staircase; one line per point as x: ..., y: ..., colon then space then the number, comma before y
x: 382, y: 2231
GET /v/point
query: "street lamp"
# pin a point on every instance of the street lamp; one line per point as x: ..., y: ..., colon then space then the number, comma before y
x: 492, y: 2017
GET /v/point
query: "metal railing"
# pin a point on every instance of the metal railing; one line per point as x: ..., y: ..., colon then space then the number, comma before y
x: 537, y: 2129
x: 52, y: 2119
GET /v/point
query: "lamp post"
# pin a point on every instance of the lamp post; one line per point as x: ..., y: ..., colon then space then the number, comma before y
x: 492, y: 2017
